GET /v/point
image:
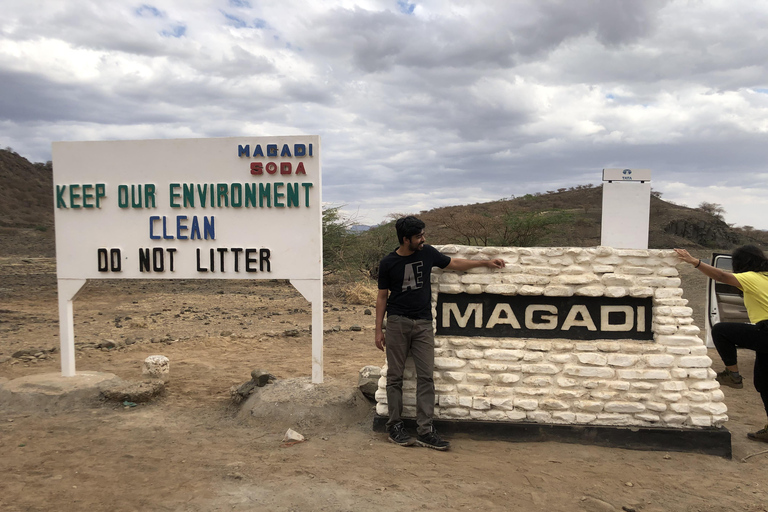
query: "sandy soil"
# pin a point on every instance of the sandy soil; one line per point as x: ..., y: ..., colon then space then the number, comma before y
x: 188, y: 451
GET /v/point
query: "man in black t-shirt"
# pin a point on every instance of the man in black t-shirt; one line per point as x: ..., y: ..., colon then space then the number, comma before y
x: 405, y: 294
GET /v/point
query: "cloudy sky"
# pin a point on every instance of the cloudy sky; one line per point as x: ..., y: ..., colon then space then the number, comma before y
x: 418, y: 103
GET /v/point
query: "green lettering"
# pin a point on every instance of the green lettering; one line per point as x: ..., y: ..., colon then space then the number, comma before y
x: 278, y: 195
x: 101, y: 191
x: 174, y: 195
x: 306, y: 186
x: 60, y: 202
x: 73, y: 196
x: 264, y: 192
x: 87, y: 196
x: 292, y: 194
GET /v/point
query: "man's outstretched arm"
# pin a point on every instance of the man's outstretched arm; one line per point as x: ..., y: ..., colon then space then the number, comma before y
x: 463, y: 265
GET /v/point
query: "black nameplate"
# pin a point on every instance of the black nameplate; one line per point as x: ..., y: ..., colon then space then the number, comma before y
x: 521, y: 316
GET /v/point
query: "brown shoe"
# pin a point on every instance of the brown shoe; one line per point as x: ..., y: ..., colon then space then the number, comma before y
x: 726, y: 378
x: 760, y: 435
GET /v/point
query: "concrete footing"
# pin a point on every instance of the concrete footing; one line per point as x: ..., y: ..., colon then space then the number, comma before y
x: 50, y: 392
x: 709, y: 441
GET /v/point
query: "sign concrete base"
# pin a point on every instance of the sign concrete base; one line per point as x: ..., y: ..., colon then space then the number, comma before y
x: 51, y: 392
x: 708, y: 441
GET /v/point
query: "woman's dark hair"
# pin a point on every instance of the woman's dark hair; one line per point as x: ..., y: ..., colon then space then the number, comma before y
x: 407, y: 227
x: 749, y: 258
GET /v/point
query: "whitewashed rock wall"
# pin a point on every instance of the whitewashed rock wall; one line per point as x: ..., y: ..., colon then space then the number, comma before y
x: 664, y: 382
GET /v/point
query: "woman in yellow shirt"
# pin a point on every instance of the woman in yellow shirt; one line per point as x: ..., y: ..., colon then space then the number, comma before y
x: 750, y: 274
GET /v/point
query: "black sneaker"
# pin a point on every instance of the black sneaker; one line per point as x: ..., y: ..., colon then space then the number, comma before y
x: 726, y: 378
x: 399, y: 436
x: 432, y: 440
x: 760, y: 435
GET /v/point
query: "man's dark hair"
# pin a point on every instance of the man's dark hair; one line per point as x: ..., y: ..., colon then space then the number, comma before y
x: 749, y: 258
x: 407, y: 227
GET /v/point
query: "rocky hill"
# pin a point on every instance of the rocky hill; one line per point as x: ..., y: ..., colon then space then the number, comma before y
x: 566, y: 217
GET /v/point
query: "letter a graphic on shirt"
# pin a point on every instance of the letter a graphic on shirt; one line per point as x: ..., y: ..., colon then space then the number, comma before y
x: 412, y: 276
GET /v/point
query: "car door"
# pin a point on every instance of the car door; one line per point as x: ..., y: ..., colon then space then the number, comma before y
x: 725, y: 303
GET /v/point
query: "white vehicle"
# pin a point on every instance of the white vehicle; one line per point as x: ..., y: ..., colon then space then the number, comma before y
x: 725, y: 303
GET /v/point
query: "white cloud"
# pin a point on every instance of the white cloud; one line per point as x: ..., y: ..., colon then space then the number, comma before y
x: 419, y: 104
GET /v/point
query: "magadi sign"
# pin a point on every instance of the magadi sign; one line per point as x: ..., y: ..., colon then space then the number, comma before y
x: 577, y: 318
x: 229, y: 208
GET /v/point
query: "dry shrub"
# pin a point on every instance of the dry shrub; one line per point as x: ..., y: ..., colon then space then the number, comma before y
x: 361, y: 292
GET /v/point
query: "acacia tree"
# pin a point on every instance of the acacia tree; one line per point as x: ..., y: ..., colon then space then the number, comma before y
x: 714, y: 209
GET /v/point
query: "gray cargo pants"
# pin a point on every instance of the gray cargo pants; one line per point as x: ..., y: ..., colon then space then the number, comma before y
x: 404, y: 335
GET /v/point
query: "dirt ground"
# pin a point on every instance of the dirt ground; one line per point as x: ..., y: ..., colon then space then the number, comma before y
x: 188, y: 451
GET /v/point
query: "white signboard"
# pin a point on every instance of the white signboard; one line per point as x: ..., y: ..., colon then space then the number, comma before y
x: 229, y: 208
x: 626, y: 175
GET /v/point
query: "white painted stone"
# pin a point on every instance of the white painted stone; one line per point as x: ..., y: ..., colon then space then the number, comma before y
x: 589, y: 405
x: 616, y: 291
x: 618, y: 385
x: 640, y: 291
x: 481, y: 403
x: 478, y: 278
x: 700, y: 420
x: 531, y: 290
x: 717, y: 395
x: 453, y: 376
x: 527, y: 404
x: 502, y: 289
x: 643, y: 386
x: 469, y: 389
x: 575, y: 270
x: 624, y: 407
x: 507, y: 378
x: 450, y: 288
x: 537, y: 381
x: 617, y: 280
x: 483, y: 343
x: 504, y: 355
x: 699, y: 350
x: 560, y: 358
x: 670, y: 397
x: 542, y: 271
x: 622, y: 360
x: 449, y: 363
x: 668, y: 272
x: 649, y: 417
x: 539, y: 345
x: 507, y: 404
x: 665, y: 330
x: 528, y: 280
x: 680, y: 351
x: 546, y: 369
x: 590, y: 291
x: 531, y: 391
x: 565, y: 382
x: 450, y: 278
x: 643, y: 374
x: 656, y: 406
x: 533, y: 357
x: 460, y: 342
x: 540, y: 416
x: 695, y: 362
x: 696, y: 396
x: 569, y: 393
x: 563, y: 417
x: 516, y: 415
x: 478, y: 378
x: 381, y: 409
x: 700, y: 373
x: 589, y: 371
x: 511, y: 344
x: 469, y: 354
x: 615, y: 419
x: 448, y: 400
x: 583, y: 419
x: 454, y: 412
x: 673, y: 385
x: 599, y: 394
x: 681, y: 407
x: 704, y: 385
x: 575, y: 279
x: 674, y: 419
x: 585, y: 346
x: 565, y: 346
x: 440, y: 387
x: 678, y: 341
x: 592, y: 358
x: 634, y: 271
x: 380, y: 395
x: 660, y: 360
x: 474, y: 289
x: 552, y: 404
x: 494, y: 415
x: 608, y: 346
x: 679, y: 373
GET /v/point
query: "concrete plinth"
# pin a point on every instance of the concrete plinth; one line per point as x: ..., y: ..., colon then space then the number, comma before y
x: 709, y: 441
x: 50, y: 392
